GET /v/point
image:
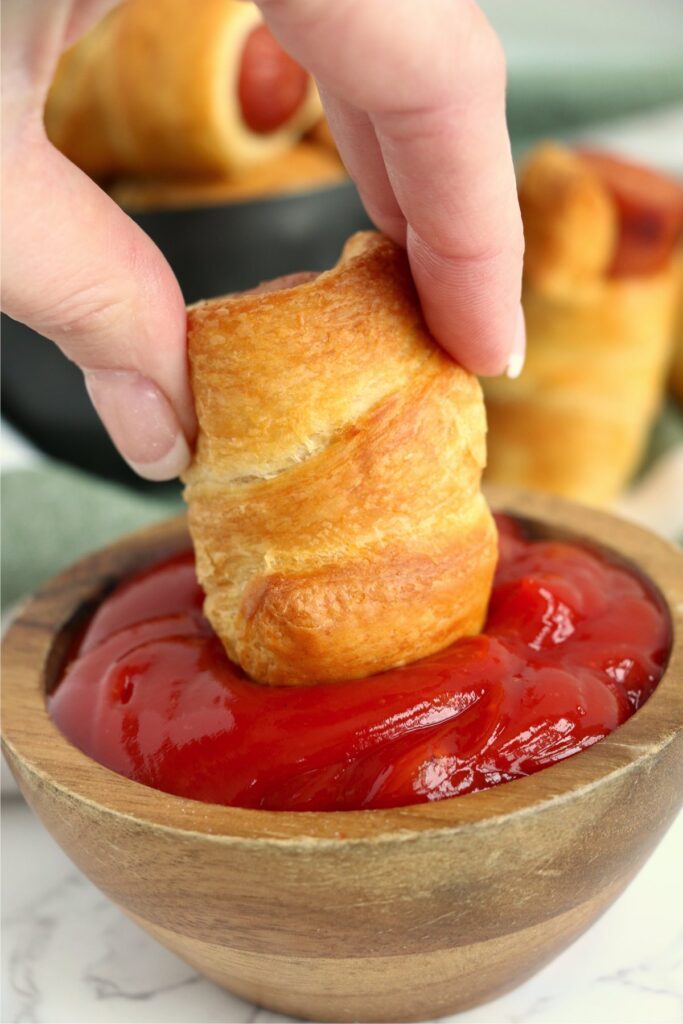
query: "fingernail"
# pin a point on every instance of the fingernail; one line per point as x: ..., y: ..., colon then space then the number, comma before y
x: 140, y: 421
x: 516, y: 361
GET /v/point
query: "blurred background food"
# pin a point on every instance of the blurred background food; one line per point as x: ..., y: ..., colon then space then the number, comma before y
x: 170, y: 87
x: 213, y: 139
x: 601, y: 286
x: 171, y: 104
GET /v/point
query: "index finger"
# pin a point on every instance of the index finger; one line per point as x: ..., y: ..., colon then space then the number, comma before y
x: 431, y: 77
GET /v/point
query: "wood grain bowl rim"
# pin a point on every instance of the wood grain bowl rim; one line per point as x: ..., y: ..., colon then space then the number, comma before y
x: 35, y: 641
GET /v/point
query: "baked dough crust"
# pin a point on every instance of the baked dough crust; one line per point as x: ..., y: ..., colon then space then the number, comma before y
x: 155, y: 85
x: 676, y: 374
x: 304, y: 167
x: 334, y: 498
x: 576, y: 421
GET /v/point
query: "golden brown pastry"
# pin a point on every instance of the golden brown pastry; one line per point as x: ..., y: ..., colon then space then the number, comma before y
x: 305, y: 166
x: 677, y: 370
x: 161, y: 87
x: 676, y: 374
x: 321, y: 134
x: 599, y: 303
x: 334, y: 498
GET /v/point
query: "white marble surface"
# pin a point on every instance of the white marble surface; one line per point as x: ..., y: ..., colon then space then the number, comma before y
x: 68, y: 954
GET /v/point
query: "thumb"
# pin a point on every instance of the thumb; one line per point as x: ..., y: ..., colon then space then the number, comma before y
x: 80, y: 272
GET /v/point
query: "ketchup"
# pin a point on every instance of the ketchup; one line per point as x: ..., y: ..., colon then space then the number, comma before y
x: 271, y: 86
x: 573, y: 645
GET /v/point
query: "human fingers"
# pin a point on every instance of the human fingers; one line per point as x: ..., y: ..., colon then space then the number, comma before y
x: 431, y: 79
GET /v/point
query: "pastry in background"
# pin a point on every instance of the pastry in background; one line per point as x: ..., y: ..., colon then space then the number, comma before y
x: 334, y: 497
x: 599, y: 296
x: 181, y: 87
x: 676, y: 374
x: 304, y: 167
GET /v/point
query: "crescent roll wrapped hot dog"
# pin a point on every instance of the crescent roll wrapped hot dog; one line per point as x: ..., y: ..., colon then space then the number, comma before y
x: 305, y: 166
x: 334, y: 498
x: 178, y: 87
x: 599, y: 297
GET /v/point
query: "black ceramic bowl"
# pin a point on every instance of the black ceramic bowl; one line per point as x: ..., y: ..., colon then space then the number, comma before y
x: 212, y: 250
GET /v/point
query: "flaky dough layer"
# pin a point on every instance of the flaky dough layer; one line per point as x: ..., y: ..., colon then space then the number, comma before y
x: 334, y: 499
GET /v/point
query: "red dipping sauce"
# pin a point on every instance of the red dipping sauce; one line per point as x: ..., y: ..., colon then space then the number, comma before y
x: 573, y: 645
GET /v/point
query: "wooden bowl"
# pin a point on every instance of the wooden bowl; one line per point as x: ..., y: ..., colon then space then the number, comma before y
x: 374, y: 915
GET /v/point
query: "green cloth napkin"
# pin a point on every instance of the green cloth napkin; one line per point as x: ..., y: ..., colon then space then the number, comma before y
x: 52, y: 514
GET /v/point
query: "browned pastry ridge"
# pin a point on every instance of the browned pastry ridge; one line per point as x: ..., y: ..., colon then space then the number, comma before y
x: 334, y: 498
x: 152, y: 89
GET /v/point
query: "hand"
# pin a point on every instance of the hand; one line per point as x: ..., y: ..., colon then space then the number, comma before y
x: 422, y: 131
x: 77, y: 269
x: 414, y: 91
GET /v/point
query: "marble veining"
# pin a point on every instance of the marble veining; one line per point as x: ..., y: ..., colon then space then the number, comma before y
x: 69, y: 955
